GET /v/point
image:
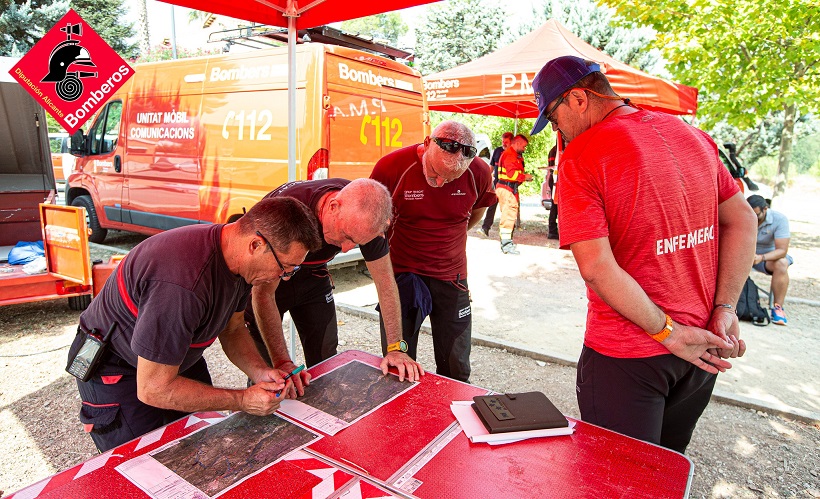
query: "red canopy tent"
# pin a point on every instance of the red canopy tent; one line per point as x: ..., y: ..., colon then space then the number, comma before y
x: 308, y: 14
x: 499, y: 84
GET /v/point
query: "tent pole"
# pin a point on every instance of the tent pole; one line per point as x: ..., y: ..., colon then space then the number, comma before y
x: 515, y: 123
x: 291, y: 14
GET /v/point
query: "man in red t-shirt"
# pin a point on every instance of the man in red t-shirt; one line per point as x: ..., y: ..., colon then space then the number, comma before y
x: 440, y: 190
x: 511, y: 175
x: 662, y: 237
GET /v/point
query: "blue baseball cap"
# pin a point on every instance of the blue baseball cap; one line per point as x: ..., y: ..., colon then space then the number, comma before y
x: 556, y: 77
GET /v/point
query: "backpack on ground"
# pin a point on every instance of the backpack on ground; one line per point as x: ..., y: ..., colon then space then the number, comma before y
x: 748, y: 305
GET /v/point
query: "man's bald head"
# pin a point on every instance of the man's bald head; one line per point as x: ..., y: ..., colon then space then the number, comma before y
x: 443, y: 166
x: 369, y: 202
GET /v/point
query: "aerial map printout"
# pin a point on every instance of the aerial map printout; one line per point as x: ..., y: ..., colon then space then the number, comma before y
x: 216, y: 458
x: 339, y: 398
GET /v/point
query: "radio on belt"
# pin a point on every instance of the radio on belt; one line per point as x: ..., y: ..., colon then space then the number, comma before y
x: 88, y: 356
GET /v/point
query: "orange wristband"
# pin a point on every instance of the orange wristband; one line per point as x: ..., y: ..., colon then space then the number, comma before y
x: 663, y: 333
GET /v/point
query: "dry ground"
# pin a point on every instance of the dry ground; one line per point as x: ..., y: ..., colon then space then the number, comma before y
x: 736, y: 452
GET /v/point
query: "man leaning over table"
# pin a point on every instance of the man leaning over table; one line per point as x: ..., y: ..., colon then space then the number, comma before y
x: 172, y: 297
x: 350, y: 213
x: 663, y: 239
x: 440, y: 191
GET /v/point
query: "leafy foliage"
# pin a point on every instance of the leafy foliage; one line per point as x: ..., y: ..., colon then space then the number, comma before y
x: 387, y: 27
x: 457, y: 32
x: 762, y: 140
x: 806, y: 153
x: 106, y: 17
x: 596, y: 26
x: 23, y: 24
x: 165, y: 53
x: 750, y: 58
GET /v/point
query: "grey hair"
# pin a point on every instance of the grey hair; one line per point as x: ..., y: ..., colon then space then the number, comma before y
x: 459, y: 132
x: 369, y: 199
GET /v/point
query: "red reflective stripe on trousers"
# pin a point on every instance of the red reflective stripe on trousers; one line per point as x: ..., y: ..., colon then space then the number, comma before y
x: 100, y: 405
x: 111, y: 380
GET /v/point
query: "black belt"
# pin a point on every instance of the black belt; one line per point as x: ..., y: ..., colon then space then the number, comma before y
x: 511, y: 185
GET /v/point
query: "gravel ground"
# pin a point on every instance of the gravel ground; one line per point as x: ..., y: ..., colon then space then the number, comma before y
x: 737, y: 452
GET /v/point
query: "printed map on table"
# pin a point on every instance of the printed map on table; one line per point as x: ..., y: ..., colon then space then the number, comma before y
x: 339, y: 398
x: 216, y: 458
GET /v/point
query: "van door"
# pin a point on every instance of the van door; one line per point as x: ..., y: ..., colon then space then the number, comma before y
x: 163, y: 167
x: 106, y: 163
x: 373, y: 110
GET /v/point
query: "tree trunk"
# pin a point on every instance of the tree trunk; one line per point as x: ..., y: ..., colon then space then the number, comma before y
x: 785, y: 156
x: 142, y: 27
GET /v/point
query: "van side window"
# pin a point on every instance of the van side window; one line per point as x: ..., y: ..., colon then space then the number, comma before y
x: 106, y: 129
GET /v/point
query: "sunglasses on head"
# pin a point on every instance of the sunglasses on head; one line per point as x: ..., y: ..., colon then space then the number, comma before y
x: 453, y: 147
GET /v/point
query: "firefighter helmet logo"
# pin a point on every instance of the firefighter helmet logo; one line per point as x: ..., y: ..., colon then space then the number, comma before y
x: 66, y: 54
x: 71, y: 71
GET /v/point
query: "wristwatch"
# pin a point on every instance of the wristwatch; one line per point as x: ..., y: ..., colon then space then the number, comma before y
x: 663, y: 333
x: 400, y: 346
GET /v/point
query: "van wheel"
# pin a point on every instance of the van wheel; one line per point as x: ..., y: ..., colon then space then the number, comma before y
x: 97, y: 233
x: 79, y: 302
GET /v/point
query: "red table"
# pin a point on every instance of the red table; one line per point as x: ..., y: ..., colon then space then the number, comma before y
x: 413, y: 447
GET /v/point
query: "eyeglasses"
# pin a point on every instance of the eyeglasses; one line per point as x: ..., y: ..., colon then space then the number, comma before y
x: 284, y: 275
x: 452, y: 147
x: 552, y: 120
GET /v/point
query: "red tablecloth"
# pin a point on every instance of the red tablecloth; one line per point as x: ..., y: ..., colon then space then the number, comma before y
x: 411, y: 446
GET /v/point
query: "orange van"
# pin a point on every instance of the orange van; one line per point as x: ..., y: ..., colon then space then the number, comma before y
x: 201, y: 140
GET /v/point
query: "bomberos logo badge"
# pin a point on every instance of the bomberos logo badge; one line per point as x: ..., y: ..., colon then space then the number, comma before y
x: 71, y: 71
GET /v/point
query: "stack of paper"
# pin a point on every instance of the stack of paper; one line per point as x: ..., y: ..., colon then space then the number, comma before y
x: 477, y: 432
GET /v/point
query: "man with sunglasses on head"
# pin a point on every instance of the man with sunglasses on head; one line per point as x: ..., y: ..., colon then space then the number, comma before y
x: 511, y: 175
x: 168, y: 300
x: 440, y: 191
x: 350, y: 213
x: 663, y: 238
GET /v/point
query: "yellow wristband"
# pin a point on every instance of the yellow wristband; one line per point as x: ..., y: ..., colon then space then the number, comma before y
x: 663, y: 333
x: 399, y: 346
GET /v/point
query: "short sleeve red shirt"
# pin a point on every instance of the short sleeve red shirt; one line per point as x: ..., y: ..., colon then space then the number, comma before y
x: 428, y: 234
x: 652, y: 185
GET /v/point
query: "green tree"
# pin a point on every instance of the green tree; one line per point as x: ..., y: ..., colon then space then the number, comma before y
x: 596, y: 25
x: 387, y: 27
x: 22, y: 24
x: 165, y: 53
x: 142, y: 27
x: 749, y: 58
x: 456, y: 32
x: 106, y: 17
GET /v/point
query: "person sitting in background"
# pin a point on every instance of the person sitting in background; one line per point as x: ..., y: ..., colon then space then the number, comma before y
x: 771, y: 254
